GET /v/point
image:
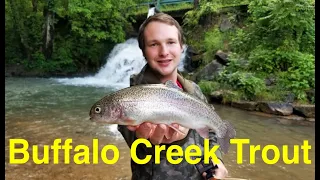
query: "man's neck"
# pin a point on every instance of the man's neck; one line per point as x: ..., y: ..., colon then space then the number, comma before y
x: 173, y: 77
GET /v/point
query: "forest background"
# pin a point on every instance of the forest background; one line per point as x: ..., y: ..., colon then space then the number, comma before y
x: 275, y: 43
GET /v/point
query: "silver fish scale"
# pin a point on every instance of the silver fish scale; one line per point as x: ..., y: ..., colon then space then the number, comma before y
x: 159, y: 104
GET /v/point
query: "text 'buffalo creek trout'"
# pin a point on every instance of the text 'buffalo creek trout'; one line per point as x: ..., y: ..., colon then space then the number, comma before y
x: 162, y: 104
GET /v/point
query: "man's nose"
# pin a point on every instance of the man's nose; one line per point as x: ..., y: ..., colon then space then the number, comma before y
x: 164, y: 51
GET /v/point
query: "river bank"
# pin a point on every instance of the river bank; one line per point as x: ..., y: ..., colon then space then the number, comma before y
x: 18, y: 70
x: 285, y: 113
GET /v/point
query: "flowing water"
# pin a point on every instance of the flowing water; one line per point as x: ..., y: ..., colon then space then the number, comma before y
x: 42, y: 110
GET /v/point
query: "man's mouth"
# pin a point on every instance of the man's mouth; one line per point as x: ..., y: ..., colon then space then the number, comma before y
x: 164, y: 62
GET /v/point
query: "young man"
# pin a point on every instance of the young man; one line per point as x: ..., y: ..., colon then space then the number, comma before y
x: 160, y: 39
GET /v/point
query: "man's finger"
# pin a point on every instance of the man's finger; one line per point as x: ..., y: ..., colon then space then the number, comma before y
x: 133, y: 128
x: 171, y: 133
x: 158, y: 134
x: 144, y: 131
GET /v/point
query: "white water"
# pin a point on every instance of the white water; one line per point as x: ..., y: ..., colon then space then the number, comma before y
x: 124, y: 60
x: 151, y: 11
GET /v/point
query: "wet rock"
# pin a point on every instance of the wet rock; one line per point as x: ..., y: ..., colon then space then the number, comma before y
x: 247, y: 105
x: 222, y: 57
x: 283, y: 109
x: 311, y: 94
x: 216, y: 97
x: 304, y: 110
x: 208, y: 72
x: 192, y: 60
x: 311, y: 119
x: 196, y: 58
x: 225, y: 23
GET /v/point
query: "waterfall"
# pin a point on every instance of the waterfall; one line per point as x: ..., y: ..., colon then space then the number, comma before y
x: 124, y: 60
x: 151, y: 11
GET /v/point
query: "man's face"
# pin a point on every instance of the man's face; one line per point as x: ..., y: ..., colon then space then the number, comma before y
x: 162, y: 47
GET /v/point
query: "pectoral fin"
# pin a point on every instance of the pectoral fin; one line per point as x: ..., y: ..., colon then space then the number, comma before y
x: 128, y: 121
x: 203, y: 132
x: 176, y: 129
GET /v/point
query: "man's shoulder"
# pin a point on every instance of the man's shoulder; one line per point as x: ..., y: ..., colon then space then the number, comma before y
x: 191, y: 85
x: 133, y: 79
x: 195, y: 89
x: 133, y: 76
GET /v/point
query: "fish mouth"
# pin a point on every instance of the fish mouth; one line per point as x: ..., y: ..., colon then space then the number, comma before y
x: 99, y: 121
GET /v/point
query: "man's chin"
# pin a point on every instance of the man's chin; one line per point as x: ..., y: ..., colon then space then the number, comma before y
x: 166, y: 72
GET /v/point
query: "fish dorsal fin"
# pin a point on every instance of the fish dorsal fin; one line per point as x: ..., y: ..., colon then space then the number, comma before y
x: 170, y: 84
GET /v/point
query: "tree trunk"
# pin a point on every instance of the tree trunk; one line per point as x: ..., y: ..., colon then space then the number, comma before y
x: 48, y: 30
x: 195, y: 4
x: 65, y: 4
x: 20, y: 28
x: 34, y: 5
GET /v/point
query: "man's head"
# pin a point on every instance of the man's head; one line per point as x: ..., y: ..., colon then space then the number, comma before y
x: 163, y: 18
x: 160, y: 39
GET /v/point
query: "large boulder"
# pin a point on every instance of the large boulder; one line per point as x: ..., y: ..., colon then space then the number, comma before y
x: 304, y: 110
x: 208, y: 72
x: 277, y: 108
x: 225, y: 24
x: 219, y: 96
x: 247, y: 105
x: 222, y: 57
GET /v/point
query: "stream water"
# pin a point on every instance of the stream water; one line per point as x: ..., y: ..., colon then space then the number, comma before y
x: 41, y: 110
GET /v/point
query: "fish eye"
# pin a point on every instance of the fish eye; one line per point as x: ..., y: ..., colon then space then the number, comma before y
x: 97, y: 109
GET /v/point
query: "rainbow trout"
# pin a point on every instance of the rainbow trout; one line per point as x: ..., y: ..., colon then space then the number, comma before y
x: 162, y: 104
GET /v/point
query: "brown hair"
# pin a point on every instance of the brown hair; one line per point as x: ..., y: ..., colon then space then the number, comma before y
x: 163, y: 18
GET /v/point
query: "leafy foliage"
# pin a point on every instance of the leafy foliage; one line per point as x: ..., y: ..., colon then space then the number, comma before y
x: 277, y: 39
x: 208, y: 86
x: 83, y: 32
x: 245, y: 82
x: 280, y: 40
x: 99, y: 20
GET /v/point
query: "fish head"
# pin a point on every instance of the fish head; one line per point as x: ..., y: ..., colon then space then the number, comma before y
x: 102, y: 113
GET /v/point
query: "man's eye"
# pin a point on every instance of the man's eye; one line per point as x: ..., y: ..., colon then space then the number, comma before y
x: 172, y: 42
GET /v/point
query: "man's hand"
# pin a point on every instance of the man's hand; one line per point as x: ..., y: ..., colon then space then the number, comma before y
x: 219, y: 173
x: 159, y: 133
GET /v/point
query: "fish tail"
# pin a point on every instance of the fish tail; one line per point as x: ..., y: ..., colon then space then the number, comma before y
x: 228, y: 133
